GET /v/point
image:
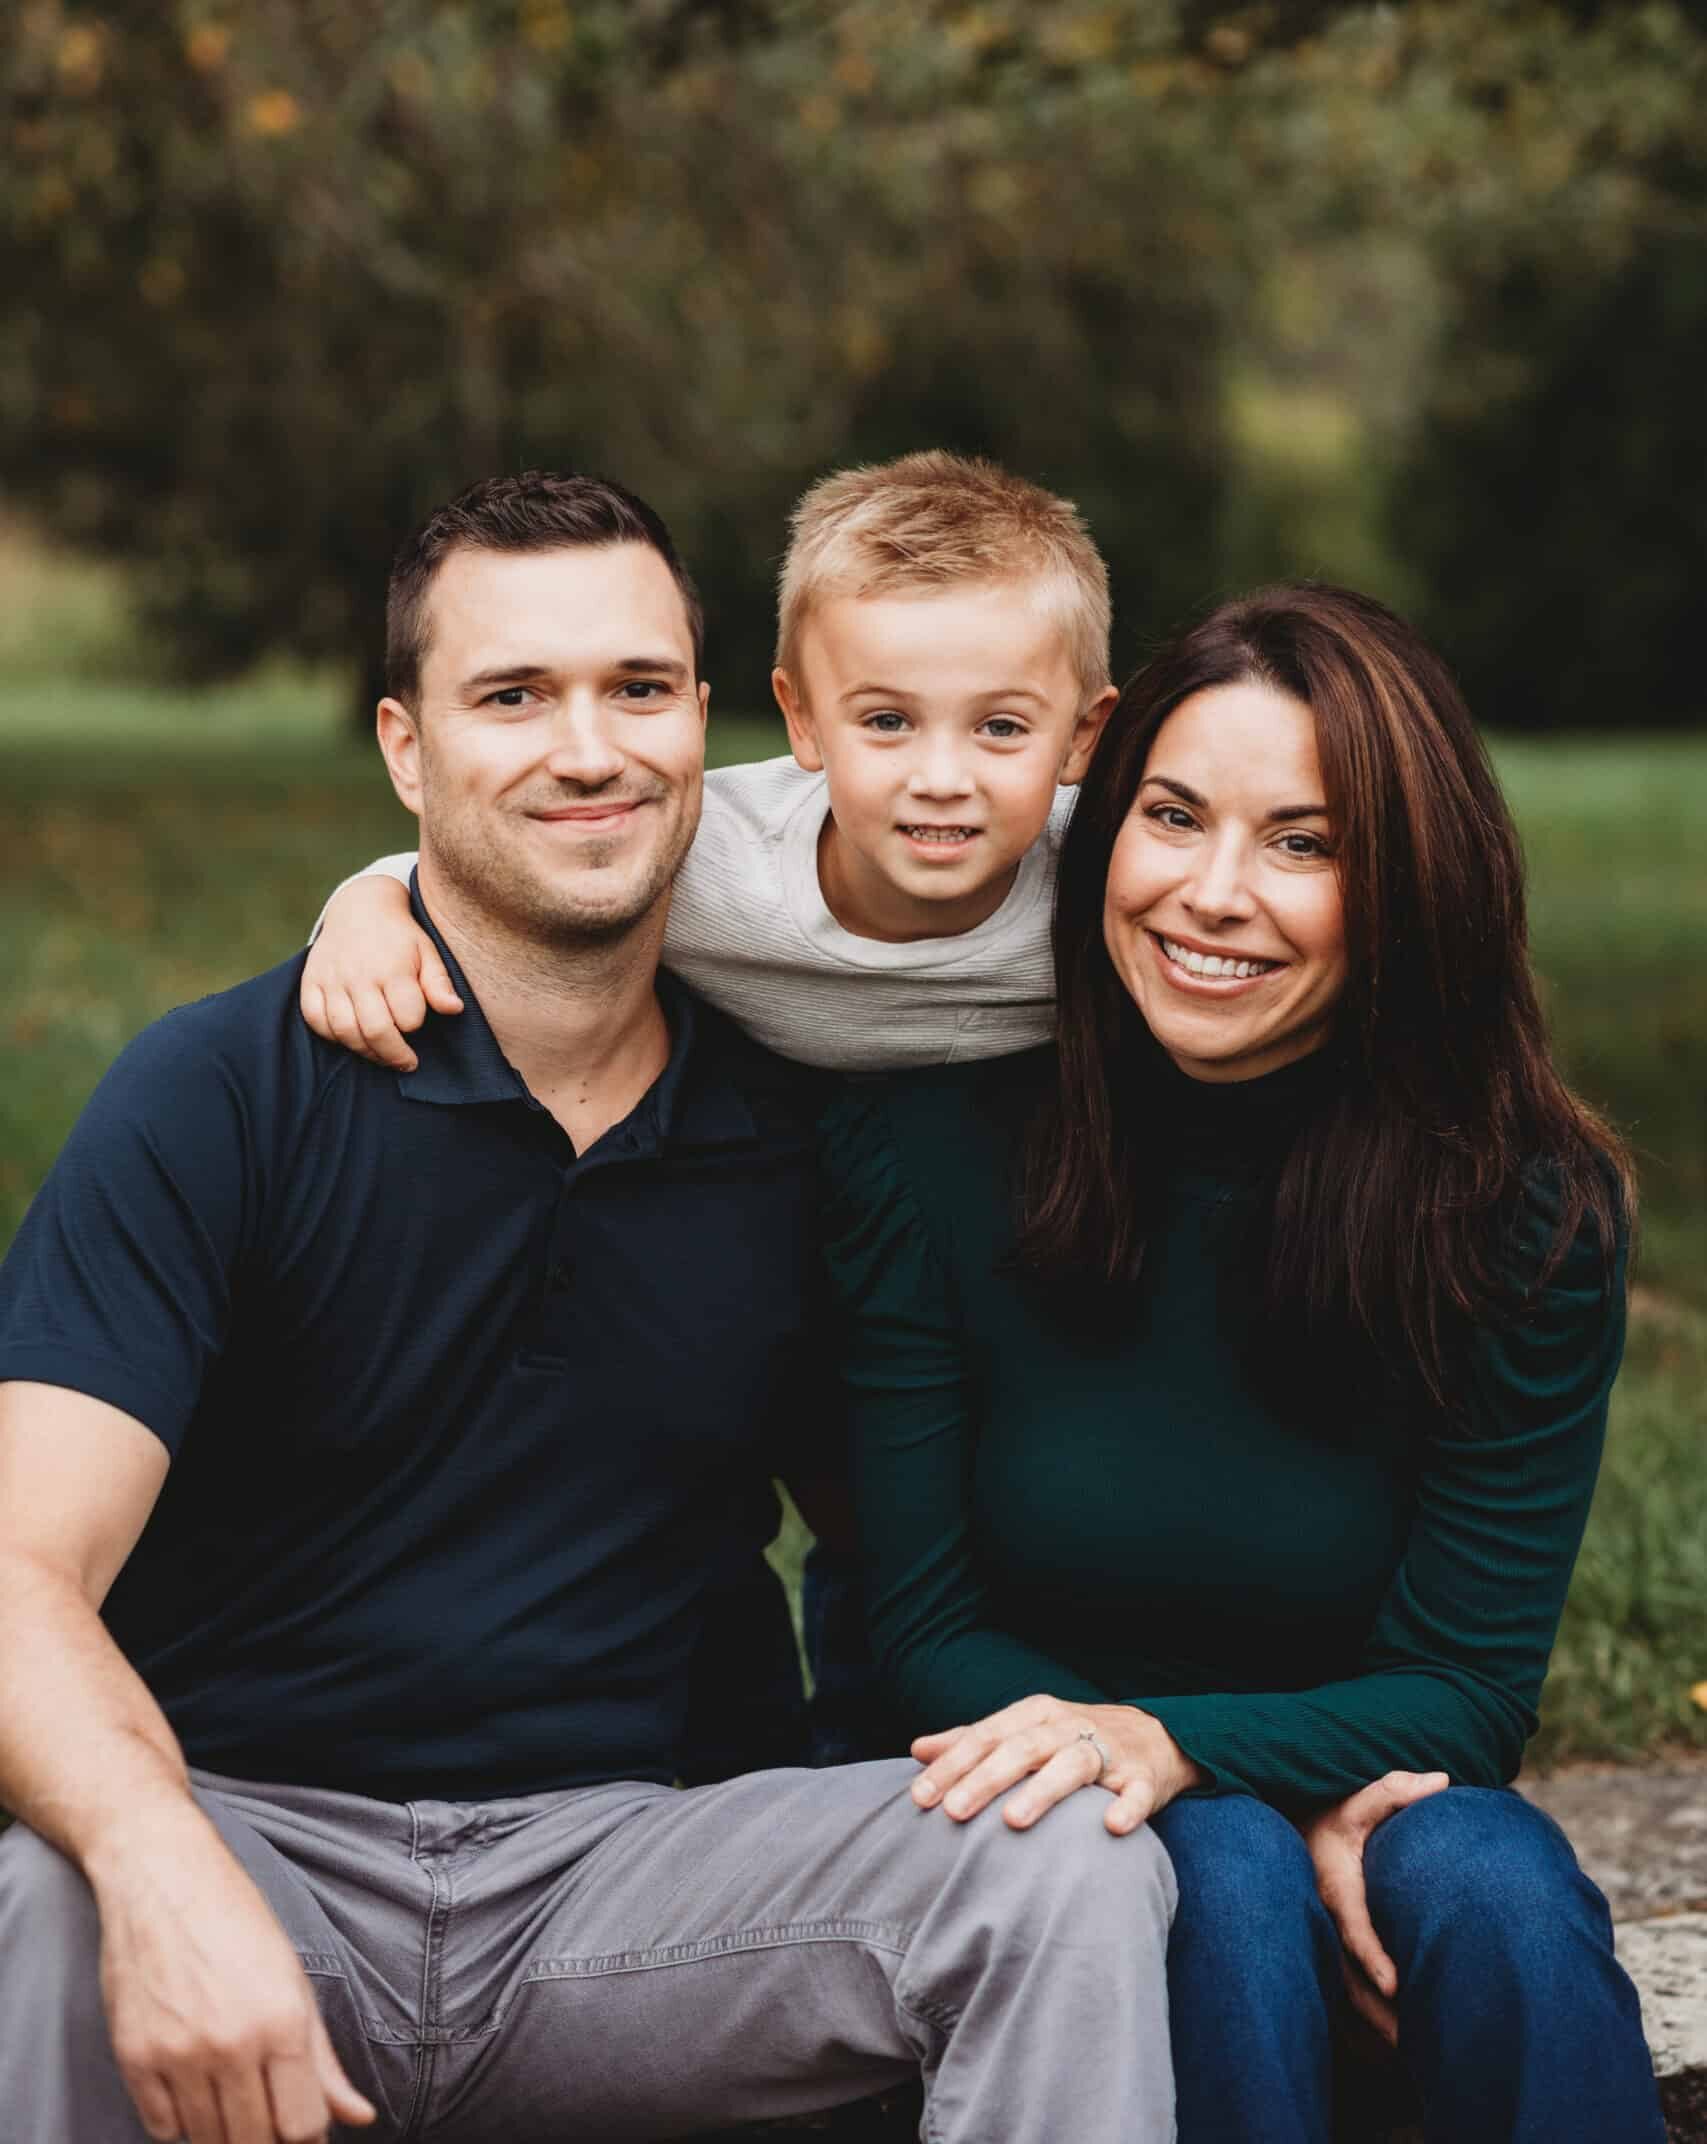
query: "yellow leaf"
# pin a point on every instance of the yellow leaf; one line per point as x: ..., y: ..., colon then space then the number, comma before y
x: 206, y: 46
x: 547, y: 25
x: 79, y: 57
x: 855, y: 72
x: 272, y: 113
x: 1698, y: 1696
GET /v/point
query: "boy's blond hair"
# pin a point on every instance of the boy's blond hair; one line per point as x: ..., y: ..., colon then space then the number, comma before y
x: 930, y: 520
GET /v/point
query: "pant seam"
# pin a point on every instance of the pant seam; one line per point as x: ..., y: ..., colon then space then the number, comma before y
x: 880, y: 1935
x: 420, y: 2095
x: 937, y: 2019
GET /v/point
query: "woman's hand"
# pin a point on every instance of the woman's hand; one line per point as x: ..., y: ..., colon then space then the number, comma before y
x: 1336, y: 1838
x: 1055, y: 1748
x: 372, y: 973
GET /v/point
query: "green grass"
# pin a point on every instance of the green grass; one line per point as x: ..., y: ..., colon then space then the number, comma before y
x: 154, y: 847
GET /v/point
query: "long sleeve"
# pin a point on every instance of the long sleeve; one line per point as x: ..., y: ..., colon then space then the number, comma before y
x: 911, y: 1418
x: 1451, y: 1674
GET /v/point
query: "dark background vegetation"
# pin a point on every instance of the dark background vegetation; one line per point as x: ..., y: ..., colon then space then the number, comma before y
x: 1412, y: 296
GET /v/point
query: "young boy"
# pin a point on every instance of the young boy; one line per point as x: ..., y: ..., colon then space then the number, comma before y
x: 882, y: 899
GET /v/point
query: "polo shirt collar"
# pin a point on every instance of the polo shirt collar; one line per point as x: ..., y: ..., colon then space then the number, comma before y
x: 694, y: 1101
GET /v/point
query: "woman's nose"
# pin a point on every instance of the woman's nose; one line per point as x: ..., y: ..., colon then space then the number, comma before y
x: 1220, y: 887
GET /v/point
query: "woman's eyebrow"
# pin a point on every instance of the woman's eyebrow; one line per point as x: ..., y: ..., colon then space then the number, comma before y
x: 1281, y: 815
x: 1178, y: 789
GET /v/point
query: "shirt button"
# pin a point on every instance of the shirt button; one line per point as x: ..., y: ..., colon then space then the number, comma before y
x: 559, y: 1275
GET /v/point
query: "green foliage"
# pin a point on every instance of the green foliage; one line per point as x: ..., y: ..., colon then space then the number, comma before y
x: 1588, y: 462
x: 283, y: 276
x: 1633, y: 1643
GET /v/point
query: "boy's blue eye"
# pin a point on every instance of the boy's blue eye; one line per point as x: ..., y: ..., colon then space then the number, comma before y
x: 1004, y: 726
x: 887, y: 722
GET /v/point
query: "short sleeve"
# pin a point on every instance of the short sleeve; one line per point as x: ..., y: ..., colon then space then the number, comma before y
x: 119, y: 1282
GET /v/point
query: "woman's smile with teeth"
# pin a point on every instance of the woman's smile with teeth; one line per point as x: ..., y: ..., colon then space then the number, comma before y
x: 1213, y: 964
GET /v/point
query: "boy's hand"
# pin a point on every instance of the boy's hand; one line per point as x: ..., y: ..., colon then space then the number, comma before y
x: 373, y: 973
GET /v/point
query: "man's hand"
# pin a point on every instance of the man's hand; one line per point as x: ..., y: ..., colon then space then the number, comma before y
x: 372, y: 974
x: 1336, y: 1839
x: 213, y: 2021
x: 1056, y: 1748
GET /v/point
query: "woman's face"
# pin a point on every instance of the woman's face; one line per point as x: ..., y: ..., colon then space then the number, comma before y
x: 1222, y: 913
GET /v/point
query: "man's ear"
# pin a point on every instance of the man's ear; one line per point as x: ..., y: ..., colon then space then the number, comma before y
x: 1086, y: 732
x: 400, y: 746
x: 802, y: 731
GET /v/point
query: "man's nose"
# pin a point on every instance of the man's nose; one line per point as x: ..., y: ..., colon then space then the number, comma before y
x: 583, y: 748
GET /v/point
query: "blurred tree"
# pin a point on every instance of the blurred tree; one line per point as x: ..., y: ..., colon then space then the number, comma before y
x: 281, y: 274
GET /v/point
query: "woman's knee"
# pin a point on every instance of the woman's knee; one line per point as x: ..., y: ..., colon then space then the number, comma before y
x: 1235, y: 1855
x: 1479, y: 1857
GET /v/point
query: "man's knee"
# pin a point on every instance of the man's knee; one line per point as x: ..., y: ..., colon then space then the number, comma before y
x: 1069, y: 1869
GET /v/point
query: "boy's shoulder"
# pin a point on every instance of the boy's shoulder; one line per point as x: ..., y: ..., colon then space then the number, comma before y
x: 730, y: 895
x: 759, y: 794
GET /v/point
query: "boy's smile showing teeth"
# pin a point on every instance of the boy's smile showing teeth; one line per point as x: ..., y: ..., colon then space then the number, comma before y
x: 940, y: 837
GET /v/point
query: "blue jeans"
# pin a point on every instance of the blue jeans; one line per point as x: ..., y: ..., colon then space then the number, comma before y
x: 1516, y: 2023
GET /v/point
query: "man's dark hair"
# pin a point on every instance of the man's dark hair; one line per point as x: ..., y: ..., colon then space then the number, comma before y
x: 539, y: 510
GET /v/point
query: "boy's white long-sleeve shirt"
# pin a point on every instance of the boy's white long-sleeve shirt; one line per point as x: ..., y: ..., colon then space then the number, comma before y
x: 750, y: 930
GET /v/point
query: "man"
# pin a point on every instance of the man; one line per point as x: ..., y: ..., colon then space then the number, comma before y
x: 402, y: 1428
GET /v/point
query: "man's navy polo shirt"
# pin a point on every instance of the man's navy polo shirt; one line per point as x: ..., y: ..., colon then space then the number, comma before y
x: 465, y: 1429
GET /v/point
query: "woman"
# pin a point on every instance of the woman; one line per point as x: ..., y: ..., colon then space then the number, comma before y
x: 1229, y: 1384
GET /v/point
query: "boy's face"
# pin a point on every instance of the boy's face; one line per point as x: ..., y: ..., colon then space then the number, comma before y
x: 943, y: 719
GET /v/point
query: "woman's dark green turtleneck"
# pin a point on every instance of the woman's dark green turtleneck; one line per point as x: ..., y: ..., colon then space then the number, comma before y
x: 1305, y: 1588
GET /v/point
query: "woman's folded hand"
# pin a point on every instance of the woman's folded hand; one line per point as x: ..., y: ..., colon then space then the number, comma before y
x: 1054, y: 1748
x: 1336, y: 1837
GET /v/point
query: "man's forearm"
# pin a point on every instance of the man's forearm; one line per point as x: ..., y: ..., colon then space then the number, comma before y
x: 86, y: 1756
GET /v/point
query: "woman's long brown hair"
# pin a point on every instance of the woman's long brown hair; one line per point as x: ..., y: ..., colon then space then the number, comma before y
x: 1389, y: 1218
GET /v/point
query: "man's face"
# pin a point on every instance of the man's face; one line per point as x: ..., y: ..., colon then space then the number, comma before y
x: 556, y: 753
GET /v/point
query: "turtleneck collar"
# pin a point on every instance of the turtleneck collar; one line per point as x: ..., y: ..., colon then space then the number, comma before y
x: 1236, y: 1128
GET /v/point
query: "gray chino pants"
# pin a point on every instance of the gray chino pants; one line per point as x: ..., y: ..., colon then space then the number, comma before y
x: 631, y: 1961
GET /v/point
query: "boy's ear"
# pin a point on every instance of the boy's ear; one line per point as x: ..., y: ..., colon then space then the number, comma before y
x: 400, y: 745
x: 1086, y: 731
x: 802, y: 732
